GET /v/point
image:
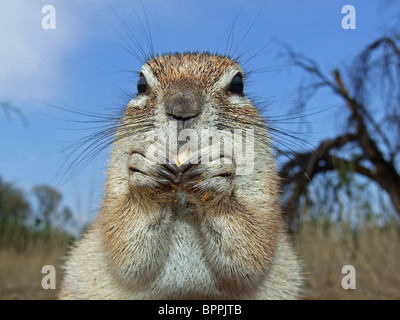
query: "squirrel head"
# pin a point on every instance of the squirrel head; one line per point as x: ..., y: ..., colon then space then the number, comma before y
x: 193, y: 88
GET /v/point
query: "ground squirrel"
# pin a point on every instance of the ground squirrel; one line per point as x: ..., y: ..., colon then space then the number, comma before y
x: 186, y: 228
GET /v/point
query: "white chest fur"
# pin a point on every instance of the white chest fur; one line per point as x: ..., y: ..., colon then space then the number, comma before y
x: 186, y: 273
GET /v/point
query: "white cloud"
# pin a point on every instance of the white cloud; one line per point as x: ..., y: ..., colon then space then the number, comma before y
x: 30, y: 56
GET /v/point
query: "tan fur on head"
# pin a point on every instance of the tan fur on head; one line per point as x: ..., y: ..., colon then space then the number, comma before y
x: 199, y: 70
x: 186, y: 231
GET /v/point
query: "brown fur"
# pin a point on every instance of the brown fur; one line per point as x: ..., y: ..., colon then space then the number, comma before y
x: 215, y: 235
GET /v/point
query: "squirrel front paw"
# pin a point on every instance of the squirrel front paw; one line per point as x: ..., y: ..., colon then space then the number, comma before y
x: 144, y: 173
x: 202, y: 181
x: 207, y: 181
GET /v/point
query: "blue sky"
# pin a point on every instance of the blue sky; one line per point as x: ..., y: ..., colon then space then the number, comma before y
x: 82, y: 64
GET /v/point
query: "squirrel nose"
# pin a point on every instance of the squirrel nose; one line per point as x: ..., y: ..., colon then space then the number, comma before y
x: 183, y: 104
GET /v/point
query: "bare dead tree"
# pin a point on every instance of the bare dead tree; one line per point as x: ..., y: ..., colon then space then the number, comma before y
x: 371, y: 83
x: 9, y: 109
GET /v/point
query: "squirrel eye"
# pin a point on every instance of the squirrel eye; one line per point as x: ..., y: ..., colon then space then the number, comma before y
x: 142, y: 84
x: 236, y: 85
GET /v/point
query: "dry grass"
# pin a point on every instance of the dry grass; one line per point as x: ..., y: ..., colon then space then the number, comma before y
x: 21, y: 268
x: 324, y: 247
x: 373, y: 251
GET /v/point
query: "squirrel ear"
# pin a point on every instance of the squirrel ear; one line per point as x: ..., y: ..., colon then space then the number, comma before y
x: 236, y: 85
x: 142, y: 85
